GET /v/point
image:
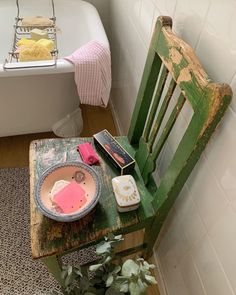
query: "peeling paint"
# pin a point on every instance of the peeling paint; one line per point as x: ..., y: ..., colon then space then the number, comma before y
x: 218, y: 92
x: 184, y: 75
x: 175, y: 55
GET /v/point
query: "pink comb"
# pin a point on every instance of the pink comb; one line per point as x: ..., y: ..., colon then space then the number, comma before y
x: 87, y: 153
x: 71, y: 198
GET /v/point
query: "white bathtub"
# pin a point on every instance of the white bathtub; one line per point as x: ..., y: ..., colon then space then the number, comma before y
x: 32, y: 100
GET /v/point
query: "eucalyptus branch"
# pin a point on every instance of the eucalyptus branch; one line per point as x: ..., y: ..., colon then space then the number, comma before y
x: 106, y: 277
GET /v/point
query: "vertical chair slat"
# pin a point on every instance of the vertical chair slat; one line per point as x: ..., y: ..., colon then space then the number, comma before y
x: 168, y: 127
x: 155, y: 102
x: 150, y: 164
x: 146, y: 90
x: 162, y: 112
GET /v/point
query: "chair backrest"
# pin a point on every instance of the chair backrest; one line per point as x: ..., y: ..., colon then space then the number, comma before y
x: 169, y: 55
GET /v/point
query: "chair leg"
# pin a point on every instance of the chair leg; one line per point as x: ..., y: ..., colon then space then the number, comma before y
x: 150, y: 237
x: 53, y: 264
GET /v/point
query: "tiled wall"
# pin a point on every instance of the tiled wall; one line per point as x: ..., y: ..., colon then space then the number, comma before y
x: 197, y: 252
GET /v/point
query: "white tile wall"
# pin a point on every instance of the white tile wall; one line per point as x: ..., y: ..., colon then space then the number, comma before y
x: 190, y: 14
x: 192, y: 279
x: 197, y: 250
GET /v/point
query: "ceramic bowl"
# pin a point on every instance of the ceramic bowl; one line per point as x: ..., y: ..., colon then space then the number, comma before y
x: 83, y: 174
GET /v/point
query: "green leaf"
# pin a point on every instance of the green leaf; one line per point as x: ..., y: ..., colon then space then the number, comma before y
x: 69, y: 279
x: 78, y: 272
x: 129, y: 268
x: 112, y: 291
x: 122, y: 278
x: 135, y: 289
x: 84, y: 284
x: 150, y: 279
x: 64, y: 274
x: 107, y: 260
x: 148, y: 266
x: 140, y: 259
x: 70, y: 270
x: 109, y: 280
x: 95, y: 267
x: 117, y: 269
x: 103, y: 247
x: 124, y: 287
x: 95, y: 281
x: 142, y: 285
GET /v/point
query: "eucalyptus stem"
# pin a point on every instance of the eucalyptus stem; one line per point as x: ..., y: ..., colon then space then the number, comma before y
x: 109, y: 278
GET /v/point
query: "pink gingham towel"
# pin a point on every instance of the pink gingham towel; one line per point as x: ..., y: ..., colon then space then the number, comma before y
x: 92, y: 73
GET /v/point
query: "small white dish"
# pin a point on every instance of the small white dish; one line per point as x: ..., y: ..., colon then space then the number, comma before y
x: 126, y: 193
x: 57, y: 176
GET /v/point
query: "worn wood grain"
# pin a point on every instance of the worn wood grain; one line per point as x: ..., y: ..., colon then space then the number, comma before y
x: 209, y: 102
x: 49, y: 237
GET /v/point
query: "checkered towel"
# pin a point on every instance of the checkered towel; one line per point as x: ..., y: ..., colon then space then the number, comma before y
x: 92, y: 73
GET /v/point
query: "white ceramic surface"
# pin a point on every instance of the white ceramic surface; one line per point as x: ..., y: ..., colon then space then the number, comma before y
x: 76, y: 173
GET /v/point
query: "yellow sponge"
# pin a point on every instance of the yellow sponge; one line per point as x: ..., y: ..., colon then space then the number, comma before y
x: 34, y: 52
x: 25, y: 41
x: 49, y: 44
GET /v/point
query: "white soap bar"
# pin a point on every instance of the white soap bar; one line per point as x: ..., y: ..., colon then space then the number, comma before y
x: 58, y: 186
x: 37, y: 34
x: 126, y: 193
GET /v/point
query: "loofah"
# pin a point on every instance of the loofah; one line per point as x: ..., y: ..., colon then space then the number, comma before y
x: 34, y: 52
x: 25, y: 41
x: 49, y: 44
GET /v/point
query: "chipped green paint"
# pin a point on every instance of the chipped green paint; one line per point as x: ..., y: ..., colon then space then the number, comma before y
x: 50, y: 237
x: 162, y: 111
x: 209, y: 101
x: 155, y: 102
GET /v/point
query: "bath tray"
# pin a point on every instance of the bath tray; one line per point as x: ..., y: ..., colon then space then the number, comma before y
x: 21, y: 31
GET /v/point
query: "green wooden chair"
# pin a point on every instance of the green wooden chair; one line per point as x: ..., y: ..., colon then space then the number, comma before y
x: 168, y: 55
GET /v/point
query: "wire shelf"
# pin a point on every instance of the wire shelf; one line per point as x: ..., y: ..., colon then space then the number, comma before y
x: 22, y: 31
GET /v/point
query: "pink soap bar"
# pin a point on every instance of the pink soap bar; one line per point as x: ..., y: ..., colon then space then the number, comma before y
x: 71, y: 198
x: 87, y: 153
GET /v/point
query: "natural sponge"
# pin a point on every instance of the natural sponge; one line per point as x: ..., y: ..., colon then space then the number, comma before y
x: 25, y: 41
x: 49, y: 44
x: 34, y: 52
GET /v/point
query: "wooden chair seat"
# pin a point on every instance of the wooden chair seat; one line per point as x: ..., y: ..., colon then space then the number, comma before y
x: 49, y: 237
